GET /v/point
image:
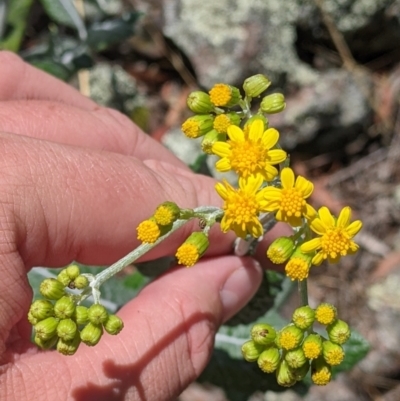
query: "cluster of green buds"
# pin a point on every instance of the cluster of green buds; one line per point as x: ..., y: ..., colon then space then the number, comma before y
x: 60, y: 322
x: 293, y: 350
x: 218, y: 109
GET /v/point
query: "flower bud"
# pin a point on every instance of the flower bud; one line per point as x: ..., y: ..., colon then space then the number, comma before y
x: 51, y: 288
x: 295, y: 358
x: 45, y: 344
x: 41, y: 309
x: 223, y: 121
x: 303, y: 317
x: 148, y: 231
x: 192, y: 249
x: 97, y: 314
x: 332, y: 353
x: 199, y: 102
x: 224, y: 95
x: 167, y: 213
x: 312, y: 346
x: 73, y: 271
x: 290, y: 337
x: 338, y: 332
x: 63, y: 278
x: 325, y: 314
x: 281, y: 250
x: 209, y: 139
x: 301, y: 373
x: 66, y: 329
x: 298, y: 266
x: 268, y: 360
x: 255, y: 85
x: 69, y: 347
x: 31, y: 319
x: 263, y: 334
x: 91, y: 334
x: 46, y: 328
x: 284, y: 375
x: 64, y: 308
x: 81, y: 282
x: 113, y: 325
x: 251, y: 350
x: 320, y: 372
x: 272, y: 104
x: 197, y: 126
x: 81, y: 315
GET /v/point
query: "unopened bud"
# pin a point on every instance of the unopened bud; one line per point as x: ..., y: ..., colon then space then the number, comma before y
x: 295, y: 358
x: 81, y: 282
x: 263, y: 334
x: 325, y: 313
x: 268, y: 360
x: 338, y: 332
x: 273, y: 103
x: 69, y: 347
x: 46, y: 328
x: 91, y: 334
x: 167, y: 213
x: 255, y: 85
x: 281, y: 250
x: 223, y: 121
x: 290, y: 337
x: 45, y: 344
x: 81, y: 315
x: 51, y: 288
x: 251, y: 350
x: 199, y: 102
x: 332, y: 353
x: 284, y: 375
x: 113, y: 325
x: 320, y: 372
x: 192, y: 249
x: 63, y: 278
x: 209, y: 139
x: 97, y: 314
x: 73, y: 271
x: 66, y: 329
x: 197, y: 126
x: 41, y: 309
x: 64, y: 308
x: 301, y: 373
x: 303, y: 317
x: 224, y: 95
x: 312, y: 346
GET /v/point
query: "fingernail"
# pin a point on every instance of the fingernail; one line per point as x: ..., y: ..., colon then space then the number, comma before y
x: 240, y: 287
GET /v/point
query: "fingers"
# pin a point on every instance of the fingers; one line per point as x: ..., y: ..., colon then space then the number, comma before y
x: 166, y: 342
x: 19, y: 80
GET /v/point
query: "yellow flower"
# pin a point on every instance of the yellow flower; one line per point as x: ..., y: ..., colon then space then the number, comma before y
x: 290, y: 201
x: 325, y: 313
x: 224, y: 95
x: 148, y: 231
x: 335, y: 238
x: 250, y: 154
x: 192, y: 249
x: 242, y: 206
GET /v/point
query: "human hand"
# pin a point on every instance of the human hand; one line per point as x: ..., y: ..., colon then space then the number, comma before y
x: 76, y: 179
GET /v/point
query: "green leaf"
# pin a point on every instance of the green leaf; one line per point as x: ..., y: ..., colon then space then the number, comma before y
x: 64, y: 12
x: 13, y: 19
x: 103, y: 34
x: 52, y: 67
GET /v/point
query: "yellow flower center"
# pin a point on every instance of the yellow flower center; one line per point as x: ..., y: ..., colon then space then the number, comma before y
x: 247, y: 157
x: 312, y: 349
x: 292, y: 202
x: 148, y: 231
x: 297, y: 269
x: 321, y: 377
x: 220, y: 95
x: 334, y: 357
x: 241, y: 207
x: 187, y: 255
x: 221, y: 123
x: 335, y: 242
x: 191, y: 128
x: 163, y: 216
x: 288, y: 341
x: 267, y: 366
x: 325, y: 314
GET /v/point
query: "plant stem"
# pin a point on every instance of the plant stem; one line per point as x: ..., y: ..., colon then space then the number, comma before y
x: 302, y: 285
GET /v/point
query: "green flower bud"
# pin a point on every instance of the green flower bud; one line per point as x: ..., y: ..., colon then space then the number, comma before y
x: 303, y: 317
x: 284, y: 375
x: 332, y: 353
x: 97, y: 314
x: 255, y: 85
x: 272, y: 104
x: 45, y: 344
x: 63, y: 278
x: 268, y: 360
x: 338, y: 332
x: 66, y: 329
x: 81, y: 282
x: 197, y: 126
x: 73, y: 271
x: 81, y: 315
x: 113, y: 325
x: 192, y: 249
x: 223, y: 95
x: 300, y: 373
x: 223, y: 121
x: 69, y: 347
x: 290, y: 337
x: 41, y: 309
x: 167, y: 213
x: 31, y: 319
x: 209, y: 139
x: 295, y: 358
x: 91, y: 334
x: 281, y: 250
x: 199, y: 102
x: 312, y: 346
x: 47, y: 328
x: 64, y: 308
x: 325, y: 313
x: 51, y: 288
x: 321, y: 373
x: 263, y: 334
x: 251, y: 350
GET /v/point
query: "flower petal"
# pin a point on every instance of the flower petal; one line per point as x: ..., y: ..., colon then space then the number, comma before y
x: 222, y: 190
x: 318, y: 226
x: 354, y: 228
x: 256, y: 130
x: 272, y: 193
x: 344, y: 217
x: 276, y: 156
x: 287, y: 177
x: 270, y: 172
x: 304, y: 186
x: 223, y: 165
x: 221, y: 149
x: 251, y: 184
x: 318, y: 259
x: 310, y: 212
x: 235, y: 133
x: 311, y: 246
x: 326, y: 217
x: 270, y: 138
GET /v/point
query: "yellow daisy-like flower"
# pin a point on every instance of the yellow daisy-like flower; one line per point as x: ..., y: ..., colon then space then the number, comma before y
x: 250, y: 154
x: 335, y: 238
x: 242, y: 206
x: 289, y: 203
